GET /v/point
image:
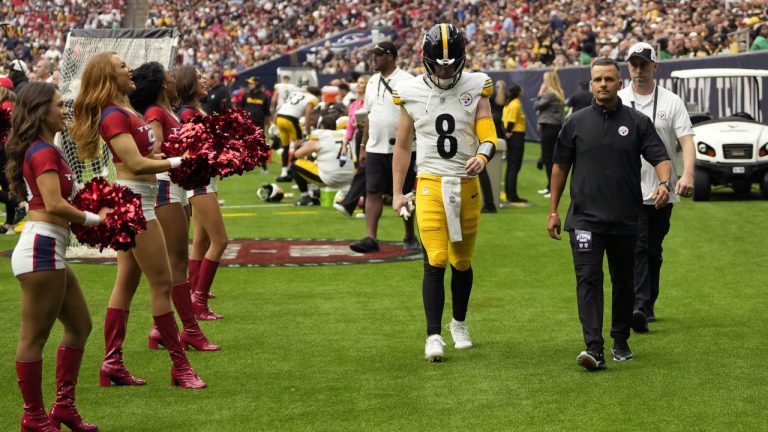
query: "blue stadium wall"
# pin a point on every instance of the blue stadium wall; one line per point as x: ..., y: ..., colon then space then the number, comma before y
x: 530, y: 79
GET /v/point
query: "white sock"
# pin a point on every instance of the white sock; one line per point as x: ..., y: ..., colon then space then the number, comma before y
x: 283, y: 171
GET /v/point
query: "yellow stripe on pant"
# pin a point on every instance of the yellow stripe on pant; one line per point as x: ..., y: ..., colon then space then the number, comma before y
x: 309, y: 171
x: 433, y: 228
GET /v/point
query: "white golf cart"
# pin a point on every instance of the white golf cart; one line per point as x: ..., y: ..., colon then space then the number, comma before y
x: 732, y: 144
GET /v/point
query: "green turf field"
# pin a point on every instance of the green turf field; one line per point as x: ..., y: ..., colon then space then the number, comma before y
x: 340, y: 348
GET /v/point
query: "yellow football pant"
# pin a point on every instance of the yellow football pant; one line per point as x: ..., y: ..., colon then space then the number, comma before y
x: 288, y: 129
x: 433, y: 229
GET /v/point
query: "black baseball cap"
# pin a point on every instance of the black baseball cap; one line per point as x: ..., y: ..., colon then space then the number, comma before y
x: 385, y: 47
x: 644, y: 51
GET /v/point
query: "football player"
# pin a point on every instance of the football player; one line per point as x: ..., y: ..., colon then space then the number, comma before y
x: 450, y: 114
x: 325, y: 143
x: 301, y: 103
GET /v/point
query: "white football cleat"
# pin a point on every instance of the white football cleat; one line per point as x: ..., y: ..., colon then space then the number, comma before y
x: 460, y: 334
x: 433, y: 350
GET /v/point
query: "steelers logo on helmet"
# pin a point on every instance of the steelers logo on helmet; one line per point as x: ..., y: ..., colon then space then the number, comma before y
x: 270, y: 192
x: 443, y: 55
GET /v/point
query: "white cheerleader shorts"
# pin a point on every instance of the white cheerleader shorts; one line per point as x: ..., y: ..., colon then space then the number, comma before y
x: 209, y: 188
x: 41, y: 247
x: 148, y: 193
x: 169, y: 192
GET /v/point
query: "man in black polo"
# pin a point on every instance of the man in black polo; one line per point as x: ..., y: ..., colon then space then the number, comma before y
x: 603, y: 143
x: 255, y: 102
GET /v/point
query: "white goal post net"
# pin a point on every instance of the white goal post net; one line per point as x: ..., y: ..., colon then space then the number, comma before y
x: 136, y: 47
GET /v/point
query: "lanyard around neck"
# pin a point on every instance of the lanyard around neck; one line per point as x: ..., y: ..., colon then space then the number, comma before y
x: 655, y: 100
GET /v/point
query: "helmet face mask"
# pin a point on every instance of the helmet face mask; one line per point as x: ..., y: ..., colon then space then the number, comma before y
x: 443, y: 55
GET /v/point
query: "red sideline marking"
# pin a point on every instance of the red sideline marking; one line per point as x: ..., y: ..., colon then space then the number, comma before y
x: 296, y: 252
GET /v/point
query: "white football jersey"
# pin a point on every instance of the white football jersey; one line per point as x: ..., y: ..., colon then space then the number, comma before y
x: 296, y: 104
x: 444, y: 121
x: 328, y: 157
x: 284, y: 91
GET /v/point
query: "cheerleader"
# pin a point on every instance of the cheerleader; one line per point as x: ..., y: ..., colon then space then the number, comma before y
x: 102, y: 110
x: 210, y: 235
x: 155, y: 91
x: 49, y: 287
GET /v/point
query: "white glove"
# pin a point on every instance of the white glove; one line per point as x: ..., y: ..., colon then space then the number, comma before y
x: 410, y: 204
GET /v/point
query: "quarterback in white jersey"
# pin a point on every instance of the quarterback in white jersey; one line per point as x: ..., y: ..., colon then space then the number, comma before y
x: 455, y: 139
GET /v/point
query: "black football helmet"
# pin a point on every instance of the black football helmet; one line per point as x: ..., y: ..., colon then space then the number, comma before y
x: 270, y: 192
x: 444, y: 46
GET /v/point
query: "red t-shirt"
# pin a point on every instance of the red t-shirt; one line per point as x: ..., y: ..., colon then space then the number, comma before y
x: 115, y: 121
x: 42, y: 157
x: 187, y: 113
x: 169, y: 122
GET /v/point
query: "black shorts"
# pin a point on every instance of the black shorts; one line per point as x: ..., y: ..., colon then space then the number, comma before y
x: 378, y: 173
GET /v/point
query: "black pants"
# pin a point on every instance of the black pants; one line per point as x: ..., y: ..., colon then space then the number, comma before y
x: 5, y: 195
x: 487, y: 189
x: 357, y: 188
x: 549, y: 134
x: 589, y: 285
x: 515, y: 150
x: 654, y: 226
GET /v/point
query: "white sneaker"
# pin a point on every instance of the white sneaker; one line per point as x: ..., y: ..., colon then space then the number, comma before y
x: 460, y: 334
x: 547, y: 195
x: 341, y: 209
x: 542, y: 191
x: 433, y: 350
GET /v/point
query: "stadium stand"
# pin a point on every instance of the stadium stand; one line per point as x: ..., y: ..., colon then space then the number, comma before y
x: 236, y: 34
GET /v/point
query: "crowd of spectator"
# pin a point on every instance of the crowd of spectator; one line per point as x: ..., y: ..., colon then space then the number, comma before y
x: 35, y: 29
x: 231, y: 35
x: 502, y: 34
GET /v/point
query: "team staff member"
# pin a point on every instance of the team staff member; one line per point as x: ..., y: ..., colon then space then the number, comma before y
x: 350, y: 149
x: 378, y: 143
x: 513, y: 121
x: 102, y: 110
x: 670, y: 118
x: 455, y: 139
x: 38, y: 172
x: 256, y: 103
x: 603, y: 144
x: 299, y: 104
x: 550, y: 116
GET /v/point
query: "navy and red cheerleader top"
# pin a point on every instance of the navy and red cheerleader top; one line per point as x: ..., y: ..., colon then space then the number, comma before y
x: 159, y: 114
x: 187, y: 113
x: 116, y: 120
x: 42, y: 157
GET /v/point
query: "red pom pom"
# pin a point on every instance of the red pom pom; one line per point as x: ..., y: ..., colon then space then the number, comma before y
x: 5, y: 125
x: 239, y: 144
x: 196, y: 168
x: 217, y: 145
x: 119, y: 229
